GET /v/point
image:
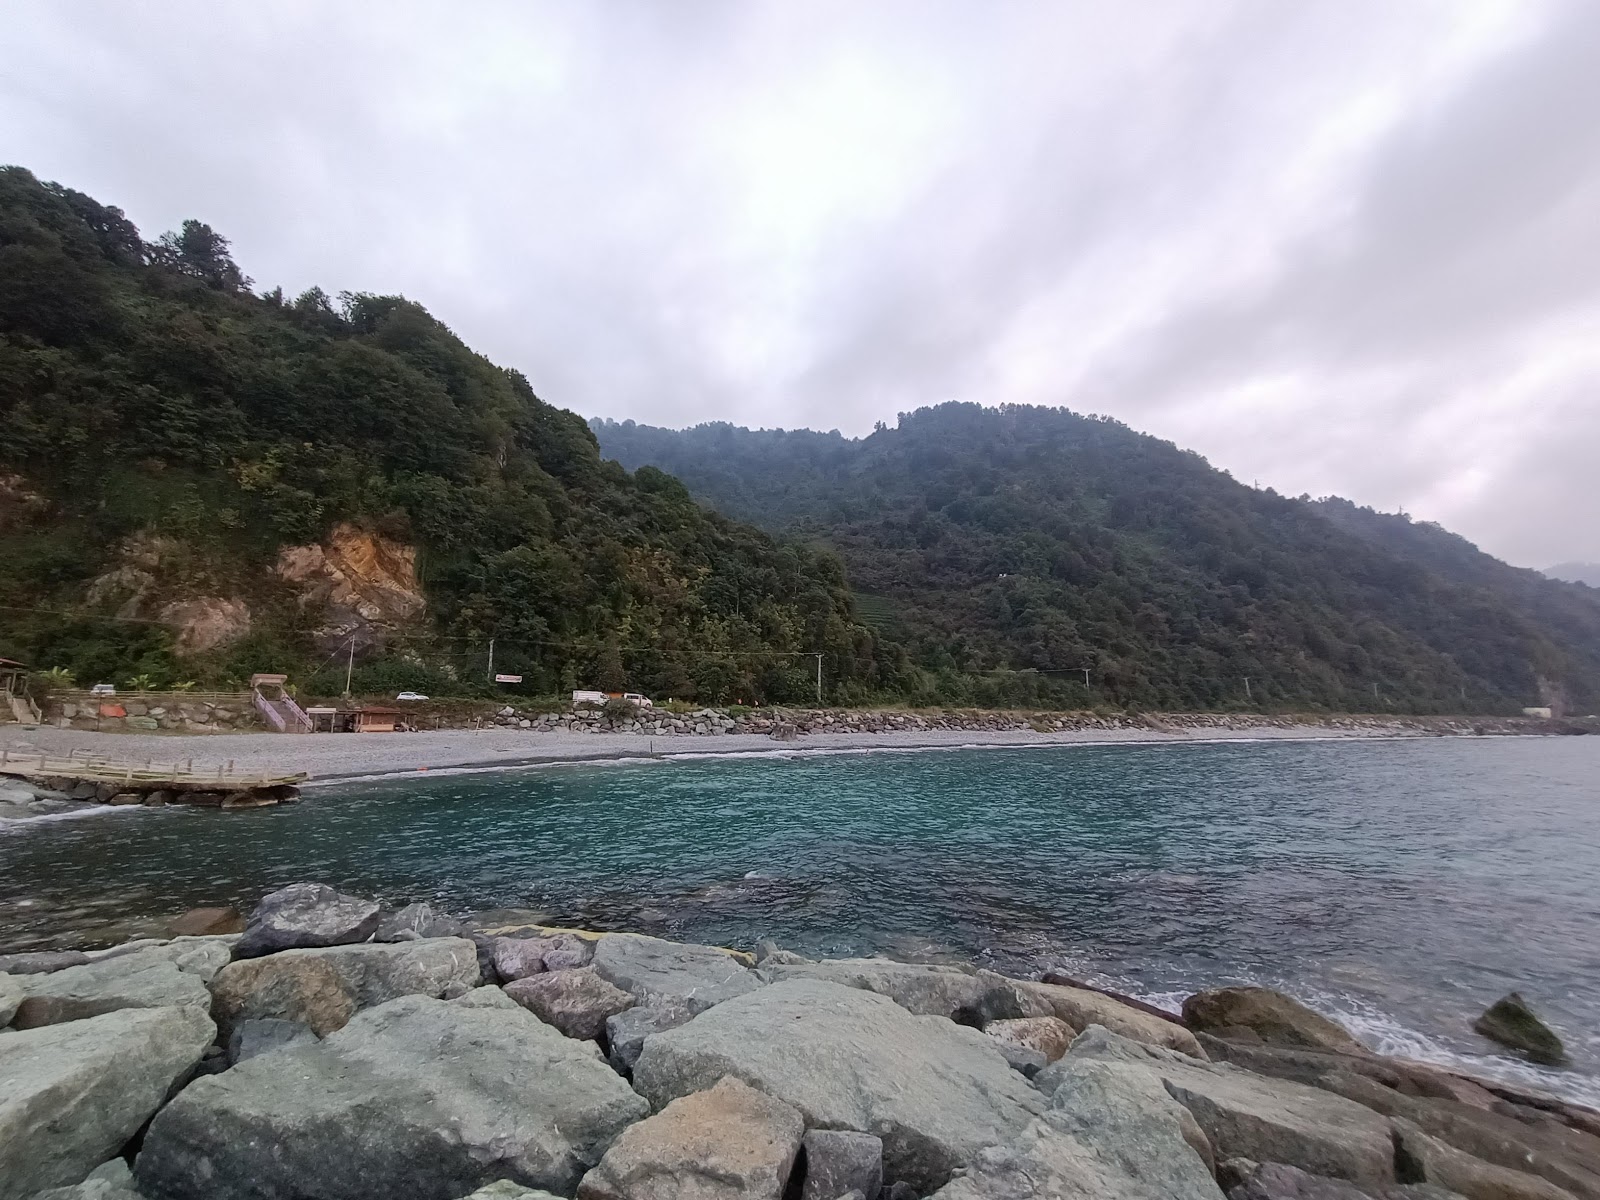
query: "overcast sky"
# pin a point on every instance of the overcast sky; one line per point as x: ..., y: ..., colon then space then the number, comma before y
x: 1337, y: 246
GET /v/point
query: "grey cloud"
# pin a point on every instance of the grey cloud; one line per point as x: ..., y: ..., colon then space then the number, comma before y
x: 827, y: 213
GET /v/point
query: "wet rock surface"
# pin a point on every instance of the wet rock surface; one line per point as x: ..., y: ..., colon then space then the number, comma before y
x: 1512, y: 1022
x: 307, y: 915
x: 1276, y: 1019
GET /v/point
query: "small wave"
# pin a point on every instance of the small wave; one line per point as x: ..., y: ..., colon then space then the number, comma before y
x: 76, y: 814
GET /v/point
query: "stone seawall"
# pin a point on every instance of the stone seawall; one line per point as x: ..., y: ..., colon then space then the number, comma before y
x: 340, y: 1050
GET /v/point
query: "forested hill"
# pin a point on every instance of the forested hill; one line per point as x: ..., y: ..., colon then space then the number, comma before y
x: 1025, y: 537
x: 198, y: 481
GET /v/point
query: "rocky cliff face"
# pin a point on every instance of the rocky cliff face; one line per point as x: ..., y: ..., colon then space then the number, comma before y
x: 365, y: 584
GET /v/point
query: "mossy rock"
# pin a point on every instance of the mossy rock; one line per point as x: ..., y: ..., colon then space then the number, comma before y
x: 1512, y: 1023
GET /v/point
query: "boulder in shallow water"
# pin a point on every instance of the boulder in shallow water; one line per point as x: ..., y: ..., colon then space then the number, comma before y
x: 935, y: 1092
x: 417, y: 1098
x: 1278, y: 1020
x: 198, y: 922
x: 651, y: 970
x: 306, y: 915
x: 75, y: 1093
x: 156, y: 976
x: 577, y: 1002
x: 325, y: 986
x: 729, y: 1142
x: 1511, y: 1022
x: 927, y: 989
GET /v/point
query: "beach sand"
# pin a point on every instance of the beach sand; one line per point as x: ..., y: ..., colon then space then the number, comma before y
x: 327, y: 758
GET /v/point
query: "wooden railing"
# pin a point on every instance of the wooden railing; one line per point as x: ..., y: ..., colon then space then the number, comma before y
x: 98, y: 768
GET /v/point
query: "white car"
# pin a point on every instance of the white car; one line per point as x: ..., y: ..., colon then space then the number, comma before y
x: 410, y: 696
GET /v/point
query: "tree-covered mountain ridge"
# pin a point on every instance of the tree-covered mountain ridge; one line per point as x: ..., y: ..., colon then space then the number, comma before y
x: 1038, y: 539
x: 198, y: 482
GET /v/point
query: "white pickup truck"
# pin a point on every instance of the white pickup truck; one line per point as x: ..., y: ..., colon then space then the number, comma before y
x: 633, y: 698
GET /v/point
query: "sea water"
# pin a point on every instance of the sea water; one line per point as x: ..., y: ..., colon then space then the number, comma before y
x: 1400, y: 885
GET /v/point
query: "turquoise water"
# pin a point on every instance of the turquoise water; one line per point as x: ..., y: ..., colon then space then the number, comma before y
x: 1403, y: 885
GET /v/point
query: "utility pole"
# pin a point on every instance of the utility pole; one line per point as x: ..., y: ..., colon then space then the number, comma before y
x: 819, y: 681
x: 1248, y: 698
x: 1085, y: 671
x: 491, y: 660
x: 349, y: 667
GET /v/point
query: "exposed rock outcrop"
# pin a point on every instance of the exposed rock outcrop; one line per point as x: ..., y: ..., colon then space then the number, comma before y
x: 416, y: 1097
x: 205, y: 622
x: 363, y: 583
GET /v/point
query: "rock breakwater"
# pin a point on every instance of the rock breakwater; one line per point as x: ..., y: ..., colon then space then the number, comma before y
x: 339, y: 1052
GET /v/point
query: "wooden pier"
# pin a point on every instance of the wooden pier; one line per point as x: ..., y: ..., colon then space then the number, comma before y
x: 123, y: 776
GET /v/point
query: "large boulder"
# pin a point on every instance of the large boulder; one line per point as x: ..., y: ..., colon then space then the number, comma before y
x: 418, y: 1097
x: 261, y: 1035
x: 1247, y: 1116
x: 1276, y: 1019
x: 929, y: 990
x: 38, y: 962
x: 323, y: 988
x: 1511, y: 1022
x: 1279, y: 1181
x: 519, y: 957
x: 1082, y: 1008
x: 652, y: 971
x: 305, y: 915
x: 935, y: 1092
x: 1423, y: 1159
x: 577, y: 1002
x: 729, y: 1142
x: 11, y: 996
x: 157, y: 976
x: 75, y: 1093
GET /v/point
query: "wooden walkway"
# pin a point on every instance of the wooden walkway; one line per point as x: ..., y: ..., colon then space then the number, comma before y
x: 98, y: 768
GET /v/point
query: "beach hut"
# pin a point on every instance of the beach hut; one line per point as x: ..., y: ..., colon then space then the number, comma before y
x: 374, y: 719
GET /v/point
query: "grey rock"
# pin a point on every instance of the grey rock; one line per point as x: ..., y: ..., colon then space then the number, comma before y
x: 76, y: 1092
x: 416, y: 920
x: 519, y: 957
x: 1049, y: 1037
x: 966, y: 997
x: 488, y: 996
x: 1127, y: 1117
x: 1021, y: 1058
x: 1278, y: 1181
x: 259, y: 1035
x: 839, y: 1161
x: 1081, y: 1008
x: 325, y: 986
x: 1275, y: 1018
x: 1422, y: 1159
x: 156, y: 976
x: 627, y: 1030
x: 11, y: 994
x: 109, y: 1181
x: 38, y: 962
x: 935, y: 1092
x: 577, y: 1002
x: 504, y: 1189
x: 565, y: 958
x: 1247, y: 1116
x: 729, y: 1142
x: 304, y: 915
x: 652, y: 970
x: 418, y: 1098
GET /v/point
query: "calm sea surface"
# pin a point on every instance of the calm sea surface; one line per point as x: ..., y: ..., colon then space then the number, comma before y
x: 1401, y: 885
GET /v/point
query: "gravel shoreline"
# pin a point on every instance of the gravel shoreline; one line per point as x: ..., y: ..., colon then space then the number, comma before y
x: 328, y: 758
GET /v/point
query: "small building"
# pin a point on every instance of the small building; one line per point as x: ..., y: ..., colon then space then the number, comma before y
x: 326, y: 720
x: 374, y: 719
